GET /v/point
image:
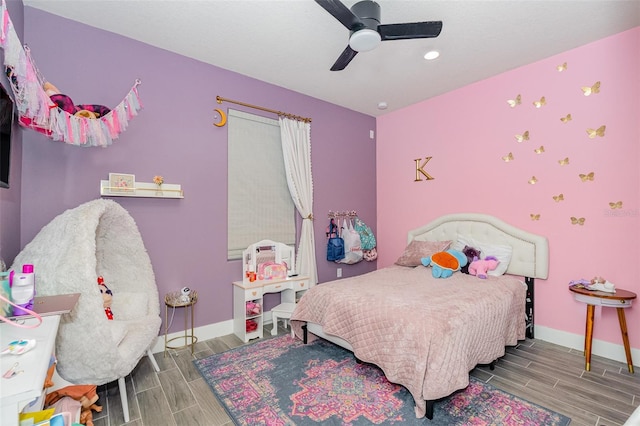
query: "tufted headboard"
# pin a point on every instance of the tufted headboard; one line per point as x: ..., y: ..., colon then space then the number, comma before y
x: 530, y: 257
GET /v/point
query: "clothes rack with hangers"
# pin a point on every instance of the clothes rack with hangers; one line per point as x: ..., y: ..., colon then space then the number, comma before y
x: 342, y: 214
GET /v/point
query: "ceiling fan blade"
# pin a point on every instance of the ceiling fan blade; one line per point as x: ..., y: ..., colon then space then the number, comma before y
x: 343, y: 60
x: 341, y: 13
x: 411, y: 30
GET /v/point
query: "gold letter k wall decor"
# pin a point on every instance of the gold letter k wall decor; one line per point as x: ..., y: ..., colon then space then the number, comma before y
x: 420, y: 169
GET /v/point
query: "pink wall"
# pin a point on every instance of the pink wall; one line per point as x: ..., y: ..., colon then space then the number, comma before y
x: 468, y: 131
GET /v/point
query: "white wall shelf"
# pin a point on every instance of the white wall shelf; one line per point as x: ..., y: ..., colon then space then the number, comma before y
x: 143, y: 190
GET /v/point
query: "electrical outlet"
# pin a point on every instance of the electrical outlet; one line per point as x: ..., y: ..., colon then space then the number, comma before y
x: 339, y: 272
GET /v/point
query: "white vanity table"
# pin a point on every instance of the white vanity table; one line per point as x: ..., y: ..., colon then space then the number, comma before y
x: 18, y: 391
x: 244, y: 292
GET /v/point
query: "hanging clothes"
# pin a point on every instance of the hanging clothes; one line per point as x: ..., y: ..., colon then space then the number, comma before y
x: 352, y: 246
x: 367, y: 240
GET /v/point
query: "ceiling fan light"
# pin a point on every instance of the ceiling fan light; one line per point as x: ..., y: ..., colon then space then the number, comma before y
x: 364, y: 40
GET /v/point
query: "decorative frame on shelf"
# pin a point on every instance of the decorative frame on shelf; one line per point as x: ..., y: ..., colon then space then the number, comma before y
x: 141, y: 190
x: 122, y: 182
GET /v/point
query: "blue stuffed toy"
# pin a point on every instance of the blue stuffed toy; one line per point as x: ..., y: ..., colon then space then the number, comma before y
x: 445, y: 263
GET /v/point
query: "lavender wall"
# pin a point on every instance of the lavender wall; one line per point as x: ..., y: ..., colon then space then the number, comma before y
x: 10, y: 198
x: 174, y: 137
x: 468, y: 131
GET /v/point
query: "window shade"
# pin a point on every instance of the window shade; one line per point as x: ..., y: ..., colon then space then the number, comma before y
x: 259, y: 202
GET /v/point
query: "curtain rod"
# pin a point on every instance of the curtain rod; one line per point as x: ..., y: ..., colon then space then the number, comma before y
x: 220, y: 99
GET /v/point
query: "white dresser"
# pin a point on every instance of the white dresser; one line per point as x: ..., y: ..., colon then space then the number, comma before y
x: 23, y: 388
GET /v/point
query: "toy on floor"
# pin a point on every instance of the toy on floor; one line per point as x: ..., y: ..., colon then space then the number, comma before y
x: 85, y: 394
x: 107, y: 297
x: 480, y: 267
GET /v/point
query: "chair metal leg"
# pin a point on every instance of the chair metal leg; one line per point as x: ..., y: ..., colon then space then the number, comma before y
x: 123, y: 398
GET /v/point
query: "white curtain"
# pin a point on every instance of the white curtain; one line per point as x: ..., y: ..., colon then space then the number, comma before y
x: 296, y: 149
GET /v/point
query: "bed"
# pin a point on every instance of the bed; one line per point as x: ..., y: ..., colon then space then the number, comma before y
x: 427, y: 333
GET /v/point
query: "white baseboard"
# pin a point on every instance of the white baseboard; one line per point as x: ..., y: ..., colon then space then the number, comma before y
x: 205, y: 332
x: 570, y: 340
x: 576, y: 341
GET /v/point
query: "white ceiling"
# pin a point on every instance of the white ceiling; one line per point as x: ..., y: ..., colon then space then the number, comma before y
x: 293, y: 43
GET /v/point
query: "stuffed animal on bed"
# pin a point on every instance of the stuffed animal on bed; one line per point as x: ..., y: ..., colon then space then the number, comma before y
x: 471, y: 253
x: 445, y: 263
x: 480, y: 267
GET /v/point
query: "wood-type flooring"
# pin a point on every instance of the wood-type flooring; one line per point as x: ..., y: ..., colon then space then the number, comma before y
x: 546, y: 374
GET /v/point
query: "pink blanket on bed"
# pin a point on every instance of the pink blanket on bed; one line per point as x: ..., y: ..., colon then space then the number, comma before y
x: 424, y: 333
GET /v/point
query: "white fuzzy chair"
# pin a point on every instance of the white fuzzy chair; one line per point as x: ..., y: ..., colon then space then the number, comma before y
x: 98, y: 238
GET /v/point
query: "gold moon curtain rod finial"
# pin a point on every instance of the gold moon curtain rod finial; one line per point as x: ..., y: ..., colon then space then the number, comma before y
x: 220, y: 99
x: 223, y: 118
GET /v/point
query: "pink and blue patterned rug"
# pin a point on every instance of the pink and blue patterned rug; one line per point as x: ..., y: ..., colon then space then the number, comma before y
x: 281, y: 381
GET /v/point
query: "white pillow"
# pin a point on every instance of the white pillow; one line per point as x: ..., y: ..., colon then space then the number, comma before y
x: 502, y: 252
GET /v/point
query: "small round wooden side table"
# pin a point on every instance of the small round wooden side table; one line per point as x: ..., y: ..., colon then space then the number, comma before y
x: 173, y: 300
x: 620, y: 300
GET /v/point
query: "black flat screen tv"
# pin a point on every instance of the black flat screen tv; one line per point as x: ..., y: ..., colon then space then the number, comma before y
x: 6, y: 127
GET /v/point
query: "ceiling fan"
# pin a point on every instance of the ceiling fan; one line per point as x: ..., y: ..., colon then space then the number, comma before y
x: 363, y: 21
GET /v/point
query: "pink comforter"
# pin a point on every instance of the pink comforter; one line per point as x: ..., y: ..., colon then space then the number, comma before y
x: 424, y: 333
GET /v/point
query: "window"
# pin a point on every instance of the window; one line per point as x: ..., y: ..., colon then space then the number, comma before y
x: 259, y: 202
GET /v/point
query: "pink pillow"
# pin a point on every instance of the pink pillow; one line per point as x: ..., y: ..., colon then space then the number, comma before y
x: 416, y: 250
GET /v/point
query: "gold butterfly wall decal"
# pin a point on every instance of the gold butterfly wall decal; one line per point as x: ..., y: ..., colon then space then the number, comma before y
x: 576, y: 221
x: 533, y: 180
x: 515, y: 102
x: 508, y: 157
x: 558, y: 198
x: 539, y: 150
x: 588, y: 177
x: 523, y: 137
x: 539, y: 104
x: 535, y: 216
x: 564, y: 162
x: 562, y: 67
x: 566, y: 119
x: 596, y: 132
x: 617, y: 205
x: 591, y: 90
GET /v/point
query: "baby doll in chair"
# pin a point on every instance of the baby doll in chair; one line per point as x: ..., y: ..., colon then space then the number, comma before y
x: 107, y: 297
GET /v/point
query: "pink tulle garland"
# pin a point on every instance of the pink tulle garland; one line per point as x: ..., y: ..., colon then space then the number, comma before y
x: 36, y: 109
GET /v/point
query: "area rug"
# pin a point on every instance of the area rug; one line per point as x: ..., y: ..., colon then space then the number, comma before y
x: 281, y: 381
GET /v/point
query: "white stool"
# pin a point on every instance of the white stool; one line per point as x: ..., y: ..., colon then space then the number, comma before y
x: 282, y: 311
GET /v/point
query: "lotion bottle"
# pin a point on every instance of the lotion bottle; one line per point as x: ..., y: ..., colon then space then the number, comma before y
x: 23, y: 289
